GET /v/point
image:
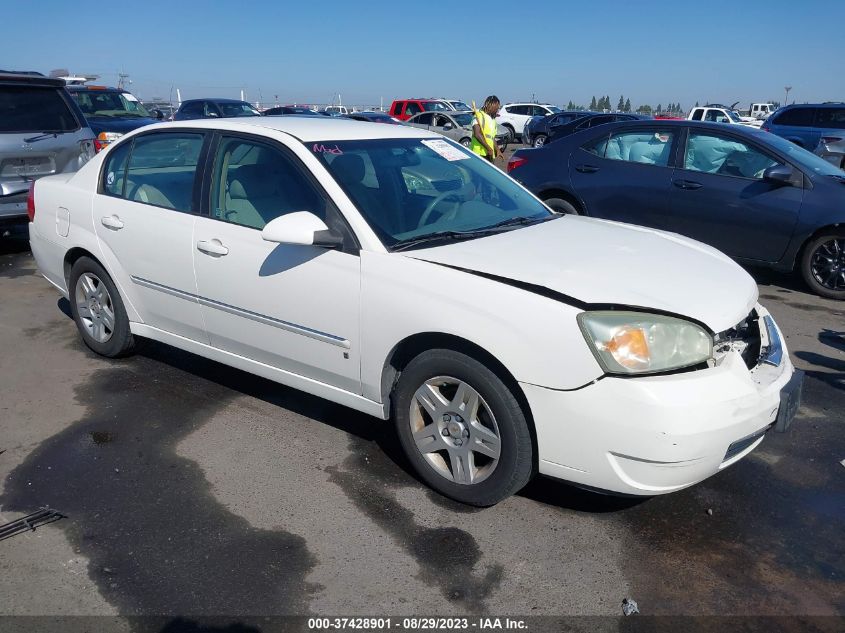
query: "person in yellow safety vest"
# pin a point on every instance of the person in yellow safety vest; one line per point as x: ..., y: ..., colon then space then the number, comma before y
x: 484, y: 129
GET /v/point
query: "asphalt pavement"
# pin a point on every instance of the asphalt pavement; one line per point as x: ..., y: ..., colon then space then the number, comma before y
x: 191, y: 488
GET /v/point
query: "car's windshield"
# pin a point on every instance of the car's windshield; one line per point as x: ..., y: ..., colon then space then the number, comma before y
x: 110, y: 103
x: 435, y: 106
x: 554, y: 109
x: 734, y: 116
x: 459, y: 105
x: 237, y: 109
x: 805, y: 159
x: 411, y: 188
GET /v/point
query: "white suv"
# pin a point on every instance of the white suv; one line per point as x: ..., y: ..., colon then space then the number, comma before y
x: 514, y: 116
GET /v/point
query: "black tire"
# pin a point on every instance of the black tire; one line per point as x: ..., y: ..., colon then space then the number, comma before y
x: 511, y: 133
x: 466, y: 142
x: 121, y: 342
x: 810, y: 268
x: 559, y: 205
x: 515, y: 462
x: 539, y: 140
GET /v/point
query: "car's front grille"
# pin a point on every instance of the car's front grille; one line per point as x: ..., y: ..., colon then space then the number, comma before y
x: 744, y: 338
x: 740, y: 445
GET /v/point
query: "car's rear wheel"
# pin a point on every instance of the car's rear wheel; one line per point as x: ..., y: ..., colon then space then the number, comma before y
x: 559, y: 205
x: 98, y: 310
x: 823, y: 264
x: 511, y: 133
x: 540, y: 140
x: 462, y: 428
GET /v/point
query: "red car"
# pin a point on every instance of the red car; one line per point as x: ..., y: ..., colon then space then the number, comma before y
x: 404, y: 109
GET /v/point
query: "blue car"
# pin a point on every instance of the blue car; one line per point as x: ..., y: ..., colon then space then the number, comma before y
x: 754, y: 196
x: 111, y: 112
x: 808, y: 125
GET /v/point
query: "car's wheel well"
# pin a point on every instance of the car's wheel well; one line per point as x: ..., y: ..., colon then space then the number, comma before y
x: 70, y: 259
x: 405, y: 351
x: 563, y: 195
x: 799, y: 256
x: 509, y: 126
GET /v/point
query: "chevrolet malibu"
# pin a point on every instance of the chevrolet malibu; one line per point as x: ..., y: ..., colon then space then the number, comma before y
x: 395, y: 273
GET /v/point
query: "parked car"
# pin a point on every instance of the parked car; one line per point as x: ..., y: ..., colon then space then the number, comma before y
x: 752, y: 195
x: 42, y: 132
x: 537, y: 128
x: 807, y: 124
x: 214, y: 109
x: 514, y: 116
x: 558, y: 132
x: 404, y: 109
x: 111, y: 112
x: 280, y: 110
x: 455, y: 125
x: 761, y: 111
x: 336, y: 110
x: 422, y: 284
x: 718, y: 113
x: 373, y: 117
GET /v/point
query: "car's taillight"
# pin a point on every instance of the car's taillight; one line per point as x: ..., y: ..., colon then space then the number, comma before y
x: 104, y: 138
x: 30, y: 202
x: 516, y: 161
x: 99, y: 145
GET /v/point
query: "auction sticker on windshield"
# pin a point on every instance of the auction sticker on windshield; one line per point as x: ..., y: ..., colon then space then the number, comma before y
x: 445, y: 150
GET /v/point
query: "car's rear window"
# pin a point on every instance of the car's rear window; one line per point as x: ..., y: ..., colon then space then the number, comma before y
x: 34, y: 109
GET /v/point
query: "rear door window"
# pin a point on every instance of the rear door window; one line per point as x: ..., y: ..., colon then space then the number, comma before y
x: 412, y: 108
x: 161, y: 170
x: 801, y: 117
x: 653, y: 147
x: 697, y: 113
x: 35, y: 109
x: 423, y: 119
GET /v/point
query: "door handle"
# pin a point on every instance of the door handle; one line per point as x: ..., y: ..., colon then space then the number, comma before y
x: 587, y: 169
x: 212, y: 247
x: 687, y: 184
x: 112, y: 222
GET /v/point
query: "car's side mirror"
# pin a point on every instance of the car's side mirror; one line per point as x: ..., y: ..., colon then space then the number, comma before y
x: 303, y: 228
x: 158, y: 114
x: 447, y: 126
x: 781, y: 174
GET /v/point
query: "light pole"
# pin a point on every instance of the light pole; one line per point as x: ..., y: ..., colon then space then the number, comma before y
x: 787, y: 89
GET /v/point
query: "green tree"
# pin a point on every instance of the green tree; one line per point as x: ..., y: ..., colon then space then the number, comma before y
x: 659, y: 108
x: 593, y: 105
x: 696, y: 104
x: 570, y: 105
x: 644, y: 109
x: 621, y: 105
x: 627, y: 107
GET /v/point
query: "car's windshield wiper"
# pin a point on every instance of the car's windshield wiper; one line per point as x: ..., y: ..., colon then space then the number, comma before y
x: 519, y: 221
x: 41, y: 137
x: 402, y: 245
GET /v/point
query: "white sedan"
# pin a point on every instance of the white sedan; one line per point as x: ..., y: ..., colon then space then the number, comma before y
x: 402, y: 276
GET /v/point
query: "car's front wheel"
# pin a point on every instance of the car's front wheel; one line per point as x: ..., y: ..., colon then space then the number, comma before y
x: 462, y: 428
x: 540, y: 140
x: 466, y: 142
x: 823, y: 264
x: 559, y: 205
x: 98, y: 310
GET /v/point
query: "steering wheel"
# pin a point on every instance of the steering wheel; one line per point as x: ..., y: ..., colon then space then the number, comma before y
x: 431, y: 205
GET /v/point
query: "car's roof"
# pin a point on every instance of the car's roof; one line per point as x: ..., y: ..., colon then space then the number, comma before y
x: 94, y: 88
x: 545, y: 105
x: 307, y: 128
x: 32, y: 78
x: 670, y: 123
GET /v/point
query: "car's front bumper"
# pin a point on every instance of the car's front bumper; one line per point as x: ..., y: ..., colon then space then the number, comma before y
x: 653, y: 435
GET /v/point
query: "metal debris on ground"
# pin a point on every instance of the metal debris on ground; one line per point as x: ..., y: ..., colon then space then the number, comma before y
x: 629, y: 607
x: 29, y: 522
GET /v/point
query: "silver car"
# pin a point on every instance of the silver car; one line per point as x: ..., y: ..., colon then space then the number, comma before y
x: 831, y: 147
x: 42, y: 132
x: 455, y: 125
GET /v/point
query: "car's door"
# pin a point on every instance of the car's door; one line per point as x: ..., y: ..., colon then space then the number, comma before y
x: 144, y: 215
x: 719, y: 196
x: 626, y: 175
x: 443, y: 124
x: 289, y: 306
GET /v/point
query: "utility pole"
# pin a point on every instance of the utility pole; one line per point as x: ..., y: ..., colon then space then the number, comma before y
x: 121, y: 79
x: 787, y: 89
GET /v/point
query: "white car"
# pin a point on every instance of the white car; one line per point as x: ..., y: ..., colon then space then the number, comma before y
x: 392, y: 271
x: 514, y: 116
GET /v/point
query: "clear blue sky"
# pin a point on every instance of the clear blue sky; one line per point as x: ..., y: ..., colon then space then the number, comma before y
x: 306, y: 51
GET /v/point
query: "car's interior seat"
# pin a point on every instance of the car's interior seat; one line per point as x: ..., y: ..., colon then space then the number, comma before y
x: 350, y: 171
x: 251, y: 196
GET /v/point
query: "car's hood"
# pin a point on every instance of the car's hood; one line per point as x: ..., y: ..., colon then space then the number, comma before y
x: 113, y: 124
x: 599, y: 262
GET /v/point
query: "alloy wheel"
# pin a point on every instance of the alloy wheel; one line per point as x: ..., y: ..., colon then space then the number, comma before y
x: 828, y: 264
x: 455, y: 431
x: 94, y: 306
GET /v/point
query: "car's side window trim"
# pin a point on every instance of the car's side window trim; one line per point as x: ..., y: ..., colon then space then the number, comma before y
x: 354, y: 245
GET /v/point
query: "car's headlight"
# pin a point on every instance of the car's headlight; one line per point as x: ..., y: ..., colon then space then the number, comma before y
x: 641, y: 343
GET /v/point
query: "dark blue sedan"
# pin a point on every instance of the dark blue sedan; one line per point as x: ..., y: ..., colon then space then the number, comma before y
x: 752, y: 195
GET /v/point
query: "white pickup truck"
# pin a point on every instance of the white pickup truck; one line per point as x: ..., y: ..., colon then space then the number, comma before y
x: 761, y: 111
x: 721, y: 114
